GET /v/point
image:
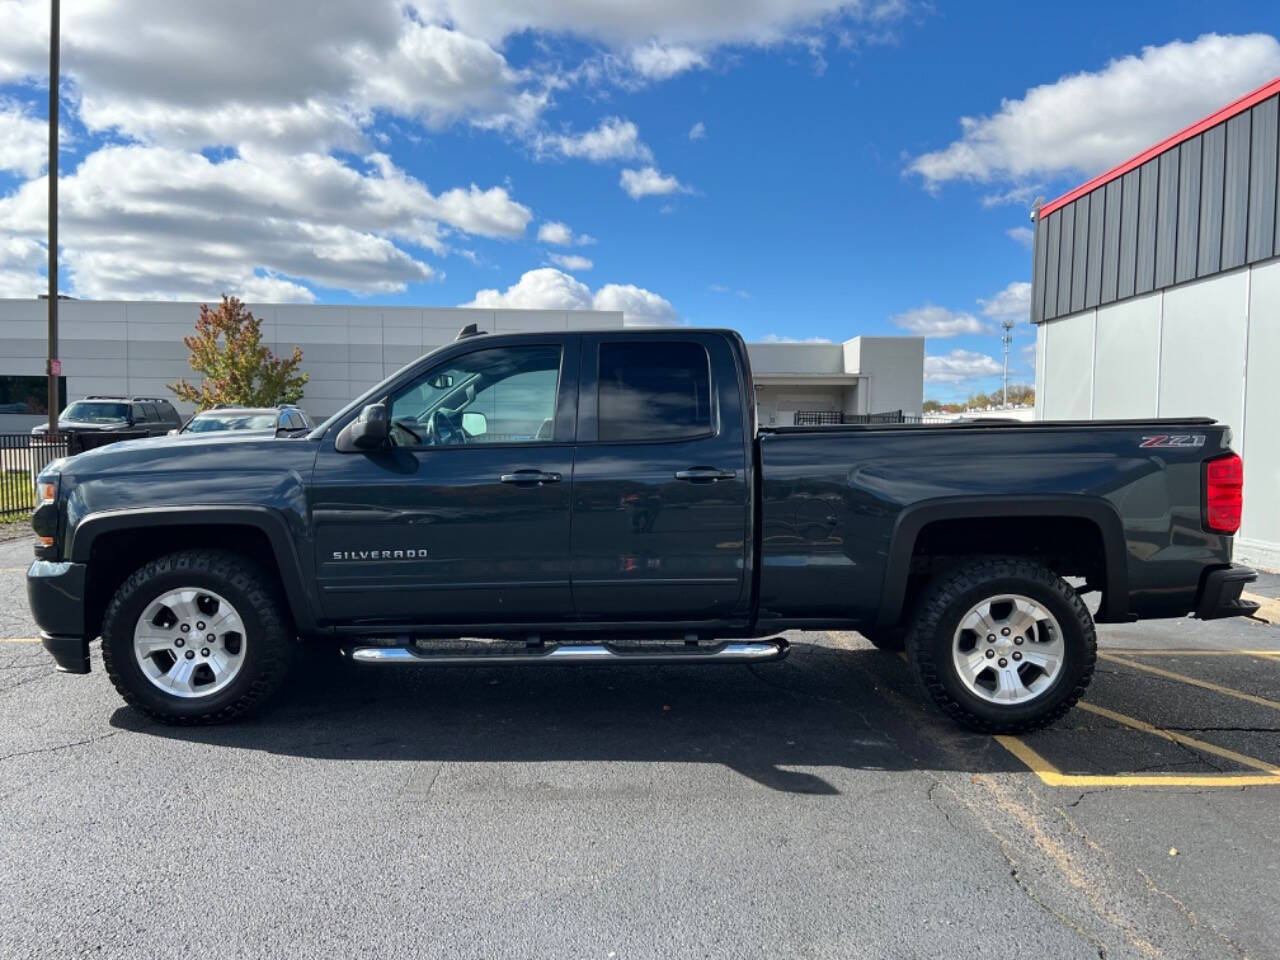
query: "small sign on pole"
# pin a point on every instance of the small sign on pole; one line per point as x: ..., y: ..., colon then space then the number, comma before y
x: 55, y: 368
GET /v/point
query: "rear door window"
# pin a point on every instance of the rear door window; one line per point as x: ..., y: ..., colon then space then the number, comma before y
x: 654, y: 390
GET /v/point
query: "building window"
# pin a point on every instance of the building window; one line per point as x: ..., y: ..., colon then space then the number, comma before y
x: 29, y: 394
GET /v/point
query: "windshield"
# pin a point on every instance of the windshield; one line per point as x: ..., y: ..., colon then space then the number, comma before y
x: 93, y: 412
x: 213, y: 422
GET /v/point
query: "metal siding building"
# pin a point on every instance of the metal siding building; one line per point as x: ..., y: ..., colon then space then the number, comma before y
x: 1156, y: 292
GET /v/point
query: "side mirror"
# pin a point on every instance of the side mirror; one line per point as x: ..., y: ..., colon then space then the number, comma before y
x: 475, y: 424
x: 369, y: 431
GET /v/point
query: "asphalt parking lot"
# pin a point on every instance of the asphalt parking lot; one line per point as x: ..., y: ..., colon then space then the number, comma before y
x: 813, y: 808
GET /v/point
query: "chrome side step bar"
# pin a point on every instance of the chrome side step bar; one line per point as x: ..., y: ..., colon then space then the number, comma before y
x: 733, y: 651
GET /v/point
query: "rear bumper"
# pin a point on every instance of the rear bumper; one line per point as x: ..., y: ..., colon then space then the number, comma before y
x: 55, y: 592
x: 1220, y: 594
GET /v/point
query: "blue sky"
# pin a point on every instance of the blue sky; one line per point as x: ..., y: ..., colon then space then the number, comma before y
x: 791, y: 168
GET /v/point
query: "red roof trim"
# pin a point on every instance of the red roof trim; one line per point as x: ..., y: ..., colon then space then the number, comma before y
x: 1226, y: 113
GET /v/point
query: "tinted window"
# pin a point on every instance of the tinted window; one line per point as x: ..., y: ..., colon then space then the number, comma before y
x: 216, y: 422
x: 139, y: 414
x: 152, y: 414
x: 656, y: 390
x: 502, y: 395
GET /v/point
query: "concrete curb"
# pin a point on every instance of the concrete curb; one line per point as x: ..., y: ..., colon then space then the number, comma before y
x: 1268, y: 609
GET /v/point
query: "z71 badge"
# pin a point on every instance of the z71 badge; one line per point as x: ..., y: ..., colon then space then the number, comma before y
x: 1173, y: 440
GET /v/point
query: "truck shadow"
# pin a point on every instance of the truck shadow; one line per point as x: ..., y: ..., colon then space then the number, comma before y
x: 779, y: 724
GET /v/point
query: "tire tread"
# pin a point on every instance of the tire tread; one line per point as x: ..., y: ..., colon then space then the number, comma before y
x: 944, y: 591
x: 275, y: 640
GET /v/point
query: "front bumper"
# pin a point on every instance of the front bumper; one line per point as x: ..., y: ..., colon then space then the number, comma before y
x: 1220, y: 593
x: 55, y: 592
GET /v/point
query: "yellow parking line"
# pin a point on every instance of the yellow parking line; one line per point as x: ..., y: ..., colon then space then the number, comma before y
x: 1175, y: 737
x: 1145, y: 652
x: 1053, y: 777
x: 13, y: 569
x: 19, y: 639
x: 1193, y: 681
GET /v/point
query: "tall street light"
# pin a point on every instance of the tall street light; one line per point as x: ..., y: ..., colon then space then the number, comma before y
x: 54, y: 365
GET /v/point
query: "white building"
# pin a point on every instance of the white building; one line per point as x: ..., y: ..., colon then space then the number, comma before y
x: 136, y: 348
x: 1156, y: 293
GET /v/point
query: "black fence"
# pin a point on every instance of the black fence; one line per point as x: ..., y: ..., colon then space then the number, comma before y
x: 832, y: 418
x: 24, y: 455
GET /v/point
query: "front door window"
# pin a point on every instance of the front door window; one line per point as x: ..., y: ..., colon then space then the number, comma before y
x: 501, y: 395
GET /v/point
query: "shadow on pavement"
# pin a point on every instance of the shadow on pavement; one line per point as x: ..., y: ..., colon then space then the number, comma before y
x: 773, y: 723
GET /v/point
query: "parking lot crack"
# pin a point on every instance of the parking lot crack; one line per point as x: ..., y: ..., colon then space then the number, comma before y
x: 1189, y: 914
x: 60, y: 746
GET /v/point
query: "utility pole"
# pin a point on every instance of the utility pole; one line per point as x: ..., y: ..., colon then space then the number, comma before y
x: 1007, y: 339
x: 54, y: 365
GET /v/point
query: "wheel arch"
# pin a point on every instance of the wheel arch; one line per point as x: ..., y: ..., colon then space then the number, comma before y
x: 146, y: 533
x: 915, y: 520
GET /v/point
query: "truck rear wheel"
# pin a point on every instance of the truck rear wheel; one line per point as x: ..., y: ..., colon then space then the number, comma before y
x: 196, y: 637
x: 1002, y: 645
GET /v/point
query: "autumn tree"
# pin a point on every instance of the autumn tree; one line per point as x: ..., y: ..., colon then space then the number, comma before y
x: 238, y: 368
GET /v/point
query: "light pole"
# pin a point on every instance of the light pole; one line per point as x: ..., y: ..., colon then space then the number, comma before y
x: 1007, y: 339
x: 54, y: 365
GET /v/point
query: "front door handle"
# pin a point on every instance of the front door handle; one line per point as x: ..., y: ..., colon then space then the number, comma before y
x: 705, y: 475
x: 530, y: 477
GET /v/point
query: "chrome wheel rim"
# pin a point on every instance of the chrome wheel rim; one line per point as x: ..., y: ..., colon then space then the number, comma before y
x: 190, y: 642
x: 1008, y: 649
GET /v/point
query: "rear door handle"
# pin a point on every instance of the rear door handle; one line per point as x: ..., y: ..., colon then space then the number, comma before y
x: 705, y: 475
x: 530, y: 477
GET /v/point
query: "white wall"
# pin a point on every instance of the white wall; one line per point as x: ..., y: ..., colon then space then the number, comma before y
x: 1065, y: 379
x: 1126, y: 361
x: 894, y: 367
x: 1209, y: 348
x: 1259, y: 435
x: 135, y: 347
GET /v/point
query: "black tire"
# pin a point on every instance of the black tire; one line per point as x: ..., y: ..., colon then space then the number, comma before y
x: 951, y: 595
x: 888, y: 639
x: 269, y: 642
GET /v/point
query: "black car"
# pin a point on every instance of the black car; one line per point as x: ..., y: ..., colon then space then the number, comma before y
x: 285, y: 420
x: 153, y: 416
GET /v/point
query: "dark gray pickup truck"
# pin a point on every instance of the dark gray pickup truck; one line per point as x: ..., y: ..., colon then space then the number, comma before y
x: 607, y: 498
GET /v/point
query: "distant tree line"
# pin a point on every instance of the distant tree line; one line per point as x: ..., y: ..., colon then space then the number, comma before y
x: 1020, y: 395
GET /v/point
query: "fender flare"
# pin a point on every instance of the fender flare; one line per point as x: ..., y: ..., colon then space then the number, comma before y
x: 268, y: 521
x: 913, y: 519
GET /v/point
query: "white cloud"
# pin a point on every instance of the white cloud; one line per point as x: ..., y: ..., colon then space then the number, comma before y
x: 700, y: 25
x: 776, y: 338
x: 571, y: 261
x: 960, y: 366
x: 653, y: 61
x: 1022, y: 235
x: 549, y: 289
x: 698, y: 131
x: 649, y: 182
x: 613, y: 139
x: 20, y: 261
x: 639, y: 306
x: 1011, y: 303
x: 938, y: 322
x: 559, y: 234
x: 1083, y: 123
x: 141, y: 221
x: 24, y: 140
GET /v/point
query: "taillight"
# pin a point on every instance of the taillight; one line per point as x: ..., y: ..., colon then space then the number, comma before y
x: 1223, y: 493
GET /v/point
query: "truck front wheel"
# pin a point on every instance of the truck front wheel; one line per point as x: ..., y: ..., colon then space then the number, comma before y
x: 1002, y: 645
x: 196, y: 637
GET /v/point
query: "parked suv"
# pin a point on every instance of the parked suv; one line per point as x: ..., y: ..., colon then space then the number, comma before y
x: 153, y: 416
x: 285, y: 420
